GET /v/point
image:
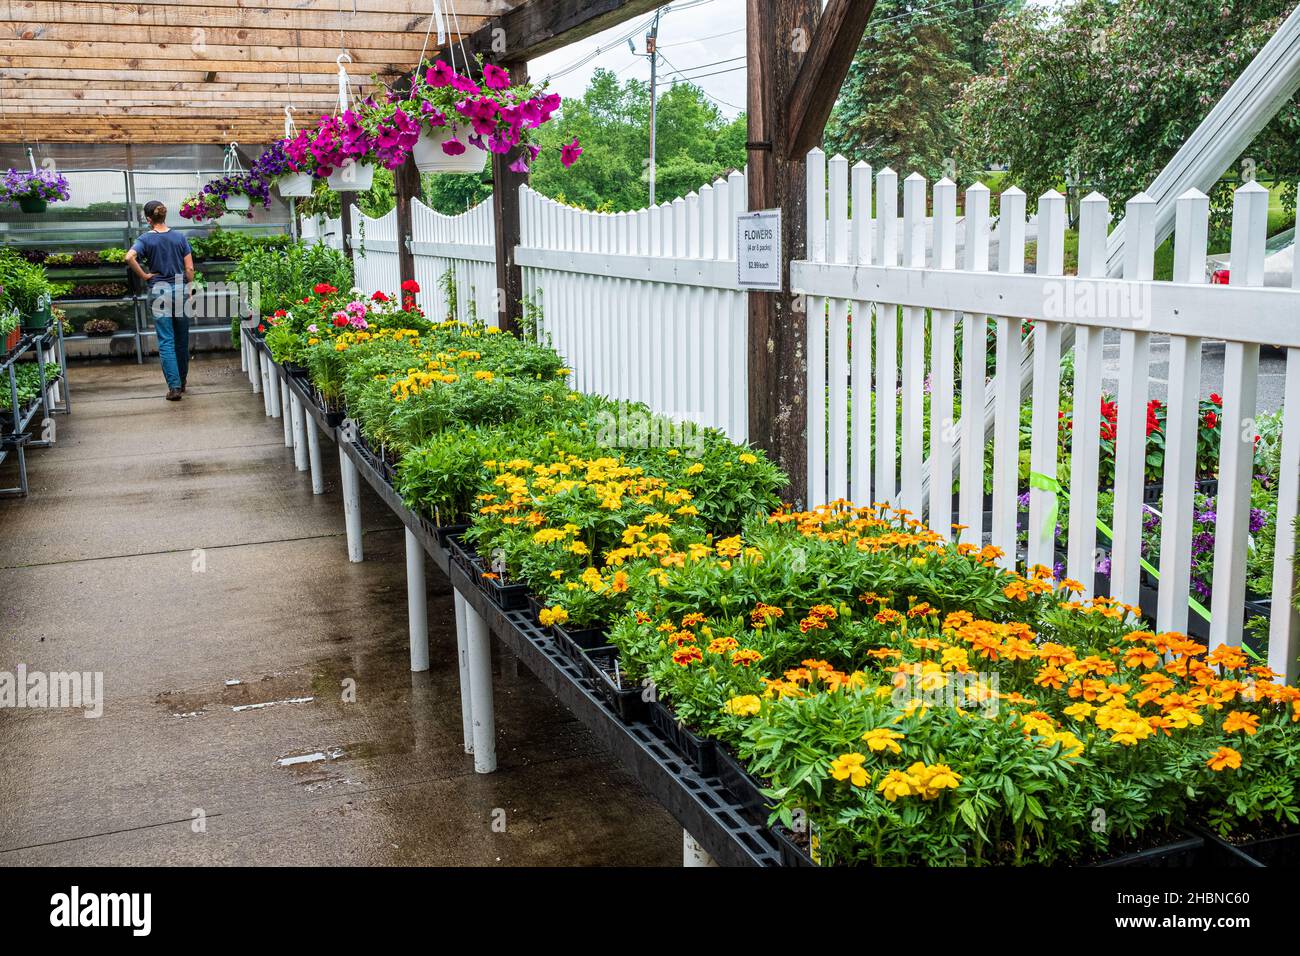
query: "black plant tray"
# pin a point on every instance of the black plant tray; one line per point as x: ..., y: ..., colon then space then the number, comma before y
x: 743, y: 786
x: 598, y: 664
x: 1281, y: 850
x: 508, y: 597
x: 575, y: 642
x: 535, y: 605
x: 463, y: 554
x: 699, y: 751
x: 1219, y: 852
x: 793, y: 853
x: 445, y: 532
x: 1183, y: 850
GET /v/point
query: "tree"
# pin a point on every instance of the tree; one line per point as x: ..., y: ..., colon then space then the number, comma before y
x: 895, y: 106
x: 1099, y: 94
x: 695, y: 145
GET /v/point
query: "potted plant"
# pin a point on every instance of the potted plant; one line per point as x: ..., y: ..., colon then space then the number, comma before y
x: 274, y: 166
x: 98, y: 327
x: 452, y: 112
x: 237, y: 190
x: 202, y: 207
x: 337, y: 150
x: 29, y: 289
x: 33, y: 191
x: 10, y: 324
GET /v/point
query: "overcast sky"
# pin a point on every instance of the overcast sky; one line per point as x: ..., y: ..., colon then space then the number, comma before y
x: 696, y: 37
x: 702, y: 39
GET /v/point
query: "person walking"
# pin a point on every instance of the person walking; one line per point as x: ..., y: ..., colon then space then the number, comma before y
x: 170, y: 264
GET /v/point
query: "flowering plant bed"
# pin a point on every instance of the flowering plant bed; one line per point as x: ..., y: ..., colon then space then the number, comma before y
x: 908, y: 699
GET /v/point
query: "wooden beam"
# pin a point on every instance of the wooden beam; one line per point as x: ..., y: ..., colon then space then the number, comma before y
x: 823, y: 71
x: 778, y: 372
x: 536, y: 27
x: 406, y: 187
x: 505, y: 211
x: 345, y: 224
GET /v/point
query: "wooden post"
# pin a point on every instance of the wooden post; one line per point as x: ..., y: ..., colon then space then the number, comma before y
x: 779, y: 33
x: 505, y: 211
x: 345, y: 222
x: 406, y: 186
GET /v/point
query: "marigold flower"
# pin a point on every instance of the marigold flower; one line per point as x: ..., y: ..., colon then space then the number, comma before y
x: 882, y: 738
x: 1225, y: 758
x: 746, y: 705
x: 685, y: 656
x: 849, y: 767
x: 1243, y: 721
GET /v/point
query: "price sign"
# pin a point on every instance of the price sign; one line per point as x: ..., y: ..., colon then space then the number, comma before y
x: 758, y: 250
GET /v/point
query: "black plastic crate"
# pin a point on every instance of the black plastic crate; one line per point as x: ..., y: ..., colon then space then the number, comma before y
x: 508, y: 597
x: 600, y: 664
x: 742, y: 785
x: 575, y: 642
x: 700, y: 751
x: 1183, y: 850
x: 793, y: 847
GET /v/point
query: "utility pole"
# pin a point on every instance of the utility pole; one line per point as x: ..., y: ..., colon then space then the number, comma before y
x: 652, y: 50
x: 652, y: 53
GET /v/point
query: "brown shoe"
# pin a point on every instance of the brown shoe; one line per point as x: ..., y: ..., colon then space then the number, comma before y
x: 182, y: 388
x: 173, y: 394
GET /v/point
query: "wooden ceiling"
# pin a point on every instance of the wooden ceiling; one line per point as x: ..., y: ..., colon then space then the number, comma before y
x: 199, y: 71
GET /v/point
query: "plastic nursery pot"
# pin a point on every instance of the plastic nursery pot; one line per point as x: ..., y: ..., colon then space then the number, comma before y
x: 600, y: 664
x: 508, y: 597
x: 1182, y: 850
x: 738, y: 781
x: 794, y: 847
x: 574, y: 642
x: 294, y: 185
x: 535, y: 606
x: 31, y: 204
x: 1281, y: 850
x: 699, y: 752
x: 238, y: 203
x: 39, y: 319
x: 429, y: 157
x: 12, y: 339
x: 351, y: 177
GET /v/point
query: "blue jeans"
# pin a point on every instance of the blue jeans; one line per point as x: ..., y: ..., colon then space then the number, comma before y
x: 173, y: 329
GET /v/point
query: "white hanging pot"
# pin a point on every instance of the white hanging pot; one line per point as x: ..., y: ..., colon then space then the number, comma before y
x: 351, y: 177
x: 295, y: 184
x: 237, y: 203
x: 429, y: 157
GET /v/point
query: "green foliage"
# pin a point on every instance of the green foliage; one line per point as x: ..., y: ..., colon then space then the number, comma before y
x: 1099, y: 95
x: 894, y: 109
x: 23, y: 283
x: 695, y: 144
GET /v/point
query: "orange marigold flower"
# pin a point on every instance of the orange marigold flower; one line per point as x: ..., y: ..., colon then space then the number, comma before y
x: 1225, y: 758
x: 745, y: 657
x: 1243, y: 721
x: 685, y: 656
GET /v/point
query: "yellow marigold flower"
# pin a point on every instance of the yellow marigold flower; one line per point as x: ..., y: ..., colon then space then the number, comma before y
x: 883, y: 738
x: 1225, y: 758
x: 552, y: 615
x: 898, y: 784
x: 1079, y: 711
x: 849, y: 767
x: 746, y: 705
x: 747, y: 459
x: 729, y: 547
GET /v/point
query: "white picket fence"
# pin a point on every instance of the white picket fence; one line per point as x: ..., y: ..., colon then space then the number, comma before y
x: 645, y: 305
x: 870, y: 273
x: 465, y: 246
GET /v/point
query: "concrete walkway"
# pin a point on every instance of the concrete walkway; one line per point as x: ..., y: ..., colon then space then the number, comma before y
x: 174, y: 548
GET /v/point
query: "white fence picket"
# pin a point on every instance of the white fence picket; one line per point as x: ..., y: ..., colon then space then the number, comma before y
x: 852, y: 254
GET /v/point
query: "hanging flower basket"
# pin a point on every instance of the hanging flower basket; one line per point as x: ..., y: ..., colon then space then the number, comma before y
x: 430, y: 157
x: 295, y: 184
x: 33, y: 192
x: 351, y: 177
x: 236, y: 202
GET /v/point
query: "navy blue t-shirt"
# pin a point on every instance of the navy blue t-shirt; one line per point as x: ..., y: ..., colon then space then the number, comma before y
x: 163, y: 253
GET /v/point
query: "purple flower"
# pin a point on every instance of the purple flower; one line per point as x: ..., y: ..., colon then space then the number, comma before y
x: 495, y: 78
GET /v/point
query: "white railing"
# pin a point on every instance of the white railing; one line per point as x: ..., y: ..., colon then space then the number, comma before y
x: 323, y: 229
x: 465, y: 246
x: 374, y: 245
x: 881, y: 277
x: 644, y: 305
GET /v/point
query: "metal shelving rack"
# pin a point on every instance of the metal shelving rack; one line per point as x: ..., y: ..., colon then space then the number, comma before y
x: 54, y: 399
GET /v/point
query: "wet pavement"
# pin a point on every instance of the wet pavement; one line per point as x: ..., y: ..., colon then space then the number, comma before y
x: 258, y: 706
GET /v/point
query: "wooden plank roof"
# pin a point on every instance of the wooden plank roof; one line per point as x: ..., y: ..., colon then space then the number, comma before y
x: 198, y: 71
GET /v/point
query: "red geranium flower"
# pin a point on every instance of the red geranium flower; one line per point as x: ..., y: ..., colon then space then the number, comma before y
x: 410, y: 285
x: 1216, y: 398
x: 1211, y: 420
x: 379, y: 297
x: 323, y: 288
x: 261, y: 328
x: 340, y: 322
